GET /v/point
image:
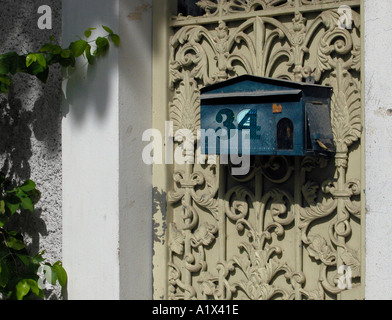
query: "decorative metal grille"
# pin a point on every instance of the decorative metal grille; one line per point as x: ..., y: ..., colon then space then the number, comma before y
x: 291, y: 228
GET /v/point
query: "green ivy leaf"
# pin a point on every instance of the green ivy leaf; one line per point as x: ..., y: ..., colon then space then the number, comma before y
x: 78, y: 47
x: 6, y: 61
x: 35, y: 68
x: 5, y: 79
x: 37, y: 259
x: 4, y: 66
x: 87, y: 33
x: 107, y: 29
x: 28, y: 185
x: 4, y: 274
x: 24, y: 258
x: 65, y: 53
x: 3, y: 88
x: 17, y: 64
x: 102, y: 46
x: 22, y: 289
x: 38, y: 67
x: 56, y: 49
x: 61, y: 273
x: 15, y: 244
x: 43, y: 76
x: 101, y: 42
x: 51, y: 48
x: 41, y: 60
x: 89, y: 57
x: 115, y: 39
x: 55, y: 273
x: 30, y: 59
x: 34, y: 287
x: 13, y: 204
x: 26, y: 203
x: 2, y: 206
x: 34, y: 195
x: 47, y: 47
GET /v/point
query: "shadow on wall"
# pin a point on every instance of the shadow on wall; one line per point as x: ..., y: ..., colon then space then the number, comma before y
x: 84, y: 94
x: 87, y: 87
x: 30, y: 124
x: 21, y: 127
x: 22, y: 131
x: 15, y: 133
x: 30, y: 108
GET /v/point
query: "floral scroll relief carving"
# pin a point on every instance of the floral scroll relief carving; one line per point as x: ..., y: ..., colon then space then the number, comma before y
x: 221, y: 8
x: 203, y: 209
x: 240, y: 6
x: 261, y: 264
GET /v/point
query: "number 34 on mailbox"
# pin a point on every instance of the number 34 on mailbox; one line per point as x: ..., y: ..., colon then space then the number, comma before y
x: 277, y: 117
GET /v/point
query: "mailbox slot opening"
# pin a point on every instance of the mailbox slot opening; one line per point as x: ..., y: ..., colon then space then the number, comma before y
x: 309, y: 146
x: 285, y: 134
x: 319, y: 130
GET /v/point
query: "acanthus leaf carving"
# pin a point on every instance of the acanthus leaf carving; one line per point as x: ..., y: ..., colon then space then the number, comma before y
x: 185, y: 108
x: 346, y: 114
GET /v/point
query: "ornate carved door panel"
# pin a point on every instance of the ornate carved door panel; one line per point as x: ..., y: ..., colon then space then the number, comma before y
x: 293, y: 227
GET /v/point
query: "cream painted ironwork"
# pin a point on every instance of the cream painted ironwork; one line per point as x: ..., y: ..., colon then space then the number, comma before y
x: 293, y: 227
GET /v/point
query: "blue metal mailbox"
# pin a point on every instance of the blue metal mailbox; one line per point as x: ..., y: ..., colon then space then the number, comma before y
x: 278, y: 117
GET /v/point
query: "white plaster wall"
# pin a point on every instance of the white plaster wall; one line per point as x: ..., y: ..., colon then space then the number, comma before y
x: 378, y: 147
x: 91, y: 160
x: 107, y: 220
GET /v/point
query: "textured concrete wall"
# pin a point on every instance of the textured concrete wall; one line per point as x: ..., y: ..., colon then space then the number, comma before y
x: 30, y: 131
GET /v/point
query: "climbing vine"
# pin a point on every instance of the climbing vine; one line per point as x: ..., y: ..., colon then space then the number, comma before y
x: 23, y: 275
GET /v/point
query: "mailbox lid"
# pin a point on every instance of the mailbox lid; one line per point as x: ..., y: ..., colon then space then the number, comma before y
x: 248, y: 84
x: 270, y: 95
